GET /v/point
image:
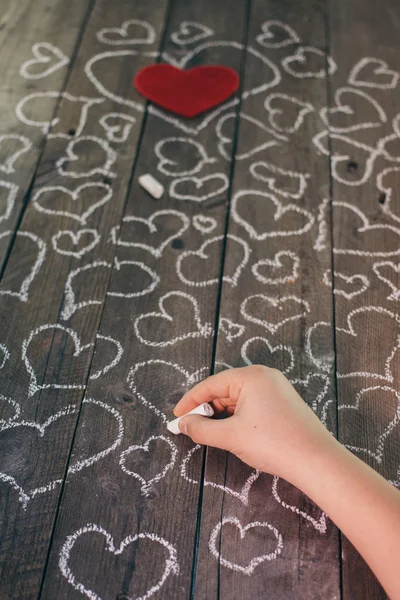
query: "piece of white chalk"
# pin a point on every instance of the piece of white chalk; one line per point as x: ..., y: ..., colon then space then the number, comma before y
x: 151, y: 185
x: 205, y: 410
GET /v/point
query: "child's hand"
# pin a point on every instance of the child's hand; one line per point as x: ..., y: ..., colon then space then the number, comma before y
x: 269, y: 426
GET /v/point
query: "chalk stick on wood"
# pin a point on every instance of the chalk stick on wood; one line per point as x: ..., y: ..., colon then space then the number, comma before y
x: 205, y: 410
x: 151, y: 185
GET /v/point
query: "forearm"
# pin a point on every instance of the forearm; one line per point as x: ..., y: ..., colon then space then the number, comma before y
x: 361, y: 503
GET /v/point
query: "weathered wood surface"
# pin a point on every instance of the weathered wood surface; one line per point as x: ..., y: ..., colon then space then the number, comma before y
x: 140, y: 490
x: 47, y: 331
x: 96, y: 497
x: 31, y: 34
x: 266, y: 317
x: 365, y: 187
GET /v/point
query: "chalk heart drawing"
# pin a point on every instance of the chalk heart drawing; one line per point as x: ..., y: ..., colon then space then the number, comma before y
x: 308, y: 62
x: 389, y: 273
x: 371, y: 240
x: 258, y: 351
x: 162, y: 324
x: 217, y: 549
x: 171, y: 566
x: 169, y: 150
x: 257, y: 130
x: 272, y: 312
x: 11, y: 192
x: 379, y: 431
x: 70, y: 244
x: 381, y: 354
x: 30, y: 110
x: 347, y: 152
x: 70, y: 305
x: 172, y: 380
x: 275, y: 271
x: 318, y: 523
x: 22, y: 145
x: 190, y: 32
x: 292, y: 184
x: 230, y: 329
x: 373, y: 73
x: 386, y: 182
x: 199, y: 189
x: 41, y: 433
x: 286, y: 113
x: 10, y: 409
x: 203, y: 261
x: 79, y: 153
x: 204, y: 224
x: 343, y: 117
x: 117, y: 126
x: 38, y: 257
x: 276, y: 34
x: 159, y: 224
x: 5, y: 355
x: 46, y: 60
x: 274, y: 213
x: 80, y: 353
x: 132, y: 32
x: 84, y: 200
x: 168, y: 454
x: 353, y: 285
x: 241, y: 494
x: 314, y: 390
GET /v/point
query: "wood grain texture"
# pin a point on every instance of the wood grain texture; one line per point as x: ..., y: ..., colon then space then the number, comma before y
x: 367, y: 402
x: 290, y: 288
x: 50, y: 378
x: 162, y: 351
x: 23, y: 25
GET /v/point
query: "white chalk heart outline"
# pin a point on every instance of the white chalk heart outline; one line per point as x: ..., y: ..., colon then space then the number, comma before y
x: 40, y: 58
x: 75, y: 237
x: 202, y: 329
x: 275, y: 302
x: 198, y: 181
x: 74, y: 194
x: 184, y: 30
x: 155, y: 251
x: 123, y: 33
x: 305, y: 109
x: 231, y: 279
x: 382, y: 69
x: 171, y: 563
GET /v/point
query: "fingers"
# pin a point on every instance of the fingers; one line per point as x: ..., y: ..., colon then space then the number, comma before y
x: 223, y: 385
x: 209, y: 432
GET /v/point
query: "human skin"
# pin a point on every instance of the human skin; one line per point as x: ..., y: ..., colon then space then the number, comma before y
x: 272, y: 429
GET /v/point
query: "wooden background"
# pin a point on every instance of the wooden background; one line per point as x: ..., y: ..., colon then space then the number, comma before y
x: 113, y: 303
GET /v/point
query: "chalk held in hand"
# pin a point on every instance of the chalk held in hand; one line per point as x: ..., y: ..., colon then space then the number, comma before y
x: 151, y: 185
x: 205, y: 410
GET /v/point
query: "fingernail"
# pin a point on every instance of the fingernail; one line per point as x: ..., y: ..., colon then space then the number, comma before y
x: 182, y: 426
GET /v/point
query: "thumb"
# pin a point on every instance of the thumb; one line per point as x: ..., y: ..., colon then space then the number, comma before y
x: 209, y: 432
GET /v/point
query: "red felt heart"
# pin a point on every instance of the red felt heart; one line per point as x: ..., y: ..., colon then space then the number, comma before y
x: 186, y: 93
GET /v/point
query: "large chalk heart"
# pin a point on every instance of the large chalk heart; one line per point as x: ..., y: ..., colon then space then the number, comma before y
x: 263, y: 216
x: 375, y: 416
x: 186, y: 93
x: 164, y: 327
x: 172, y: 382
x: 304, y: 509
x: 24, y: 448
x: 241, y: 492
x: 202, y: 262
x: 272, y: 312
x: 239, y: 545
x: 259, y: 351
x: 89, y: 537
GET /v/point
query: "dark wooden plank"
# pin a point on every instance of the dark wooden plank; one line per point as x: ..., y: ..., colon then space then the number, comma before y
x: 49, y: 319
x: 37, y: 42
x: 365, y: 262
x: 266, y: 318
x: 131, y: 492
